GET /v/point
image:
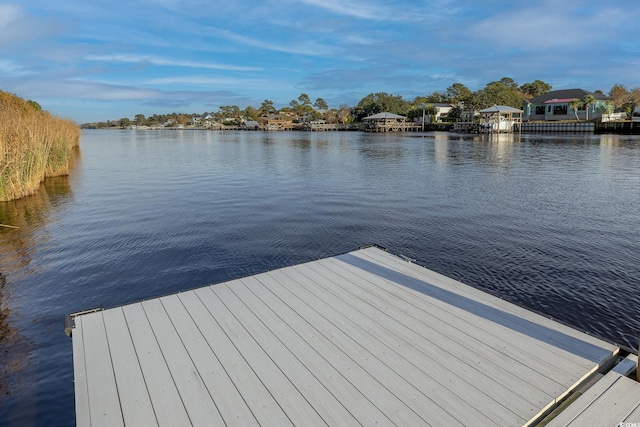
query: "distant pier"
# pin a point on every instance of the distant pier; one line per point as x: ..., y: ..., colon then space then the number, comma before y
x: 622, y: 128
x: 574, y: 127
x: 327, y: 127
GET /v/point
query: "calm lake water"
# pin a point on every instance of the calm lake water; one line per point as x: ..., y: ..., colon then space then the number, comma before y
x: 549, y: 222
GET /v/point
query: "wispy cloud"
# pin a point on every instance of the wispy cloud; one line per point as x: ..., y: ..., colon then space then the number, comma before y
x: 9, y: 14
x: 19, y: 26
x: 533, y: 27
x: 154, y: 60
x: 90, y: 90
x: 11, y: 69
x: 304, y: 47
x: 349, y: 8
x: 369, y: 10
x: 228, y: 82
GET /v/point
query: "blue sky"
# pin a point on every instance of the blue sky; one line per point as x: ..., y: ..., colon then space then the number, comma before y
x: 94, y: 60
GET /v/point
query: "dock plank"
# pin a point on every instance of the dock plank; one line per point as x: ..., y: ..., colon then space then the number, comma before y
x: 253, y: 391
x: 220, y: 387
x: 436, y: 400
x: 574, y: 350
x: 634, y: 416
x: 134, y: 398
x: 237, y: 298
x: 361, y: 338
x: 399, y: 330
x: 585, y: 400
x: 103, y: 392
x: 562, y: 336
x: 167, y: 402
x: 577, y: 353
x: 81, y: 392
x: 609, y: 401
x: 196, y: 398
x: 507, y: 351
x: 298, y: 410
x: 473, y: 352
x: 279, y: 320
x: 359, y: 368
x: 513, y: 341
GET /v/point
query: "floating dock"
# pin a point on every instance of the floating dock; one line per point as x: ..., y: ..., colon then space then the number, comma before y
x: 361, y: 338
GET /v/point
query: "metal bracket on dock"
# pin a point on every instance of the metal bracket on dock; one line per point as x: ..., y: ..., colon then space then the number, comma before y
x: 69, y: 319
x: 407, y: 259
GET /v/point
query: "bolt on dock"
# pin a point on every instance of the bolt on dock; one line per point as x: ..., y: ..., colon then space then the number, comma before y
x: 361, y: 338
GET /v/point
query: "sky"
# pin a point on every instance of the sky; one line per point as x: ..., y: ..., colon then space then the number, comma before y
x: 98, y: 60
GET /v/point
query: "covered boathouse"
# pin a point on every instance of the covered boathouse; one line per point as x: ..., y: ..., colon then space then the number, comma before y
x: 500, y: 119
x: 361, y: 338
x: 389, y: 122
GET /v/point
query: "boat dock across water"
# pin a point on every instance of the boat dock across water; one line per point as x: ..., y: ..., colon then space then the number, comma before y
x: 361, y: 338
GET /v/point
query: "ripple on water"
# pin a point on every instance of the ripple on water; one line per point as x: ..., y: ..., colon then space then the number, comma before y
x: 548, y: 222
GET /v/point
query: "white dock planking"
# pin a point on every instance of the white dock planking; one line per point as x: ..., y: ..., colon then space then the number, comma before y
x: 356, y: 339
x: 612, y: 401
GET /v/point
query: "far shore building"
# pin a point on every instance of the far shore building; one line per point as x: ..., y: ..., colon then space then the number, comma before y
x: 204, y: 120
x: 500, y: 119
x: 554, y: 106
x: 250, y: 125
x: 279, y: 122
x: 387, y: 122
x: 442, y: 111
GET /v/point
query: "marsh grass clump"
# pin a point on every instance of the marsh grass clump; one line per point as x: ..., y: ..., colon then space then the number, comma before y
x: 33, y: 145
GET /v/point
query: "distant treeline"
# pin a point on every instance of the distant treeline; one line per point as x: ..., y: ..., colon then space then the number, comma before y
x: 33, y: 145
x: 502, y: 92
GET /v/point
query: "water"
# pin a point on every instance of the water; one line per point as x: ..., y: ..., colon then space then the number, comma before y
x: 548, y: 222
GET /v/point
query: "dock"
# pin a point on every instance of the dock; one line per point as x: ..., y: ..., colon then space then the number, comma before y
x: 327, y: 127
x: 393, y: 127
x: 361, y: 338
x: 613, y: 401
x: 559, y: 127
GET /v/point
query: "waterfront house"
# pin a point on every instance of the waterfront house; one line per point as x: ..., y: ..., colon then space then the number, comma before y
x: 554, y: 105
x: 442, y: 111
x: 207, y: 120
x: 279, y: 122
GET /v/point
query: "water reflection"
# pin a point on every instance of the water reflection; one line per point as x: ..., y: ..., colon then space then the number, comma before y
x: 10, y: 362
x: 549, y: 222
x: 383, y: 147
x: 441, y: 149
x: 30, y: 215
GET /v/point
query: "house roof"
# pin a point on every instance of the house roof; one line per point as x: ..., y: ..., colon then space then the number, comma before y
x: 560, y: 100
x: 384, y: 115
x: 563, y: 94
x: 500, y: 109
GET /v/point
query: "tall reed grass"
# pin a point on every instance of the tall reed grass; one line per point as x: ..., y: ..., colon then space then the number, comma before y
x: 33, y: 145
